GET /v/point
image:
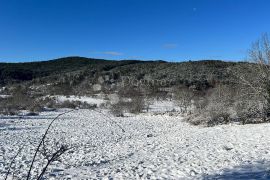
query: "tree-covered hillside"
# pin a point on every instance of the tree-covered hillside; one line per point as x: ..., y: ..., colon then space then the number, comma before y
x: 202, y: 74
x: 16, y: 72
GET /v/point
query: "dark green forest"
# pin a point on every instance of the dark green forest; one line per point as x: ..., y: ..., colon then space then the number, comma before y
x: 198, y: 73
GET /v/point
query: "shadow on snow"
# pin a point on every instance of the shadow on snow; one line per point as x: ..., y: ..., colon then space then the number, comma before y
x: 259, y: 170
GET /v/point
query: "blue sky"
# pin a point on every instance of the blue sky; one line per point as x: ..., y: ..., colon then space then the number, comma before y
x: 172, y: 30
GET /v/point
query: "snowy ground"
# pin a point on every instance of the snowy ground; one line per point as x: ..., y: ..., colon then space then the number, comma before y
x: 4, y: 96
x: 154, y: 147
x: 164, y: 106
x: 89, y: 100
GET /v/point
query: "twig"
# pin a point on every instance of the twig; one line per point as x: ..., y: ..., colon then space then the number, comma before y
x: 43, y: 138
x: 55, y: 155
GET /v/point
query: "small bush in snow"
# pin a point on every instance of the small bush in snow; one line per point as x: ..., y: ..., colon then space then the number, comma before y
x: 251, y: 111
x: 129, y: 100
x: 216, y: 108
x: 75, y: 104
x: 118, y: 109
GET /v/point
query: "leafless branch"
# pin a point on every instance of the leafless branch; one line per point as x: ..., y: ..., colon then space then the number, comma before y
x: 41, y: 142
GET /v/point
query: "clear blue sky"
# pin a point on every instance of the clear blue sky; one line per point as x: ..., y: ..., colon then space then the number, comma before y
x: 171, y: 30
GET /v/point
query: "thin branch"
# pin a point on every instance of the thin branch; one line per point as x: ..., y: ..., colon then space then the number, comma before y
x: 55, y: 155
x: 43, y: 138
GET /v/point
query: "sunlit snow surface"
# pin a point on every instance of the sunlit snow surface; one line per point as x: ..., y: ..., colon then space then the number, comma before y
x: 154, y: 147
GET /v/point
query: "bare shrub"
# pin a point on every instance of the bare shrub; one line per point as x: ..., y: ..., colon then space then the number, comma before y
x: 67, y: 104
x: 255, y: 82
x: 184, y: 97
x: 216, y: 107
x: 213, y: 114
x: 118, y: 109
x: 50, y: 155
x: 218, y: 114
x: 20, y: 99
x: 130, y: 100
x: 249, y: 111
x: 148, y: 101
x: 200, y: 103
x: 75, y: 104
x: 248, y: 99
x: 59, y: 150
x: 137, y: 104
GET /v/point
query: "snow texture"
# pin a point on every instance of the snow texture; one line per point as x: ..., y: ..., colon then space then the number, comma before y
x: 86, y: 99
x: 152, y: 147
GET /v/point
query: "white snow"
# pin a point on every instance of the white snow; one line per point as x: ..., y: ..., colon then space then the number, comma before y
x: 89, y: 100
x: 163, y: 106
x: 4, y: 96
x: 155, y: 147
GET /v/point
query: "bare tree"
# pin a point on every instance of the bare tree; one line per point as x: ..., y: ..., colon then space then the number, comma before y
x: 255, y: 75
x: 184, y: 98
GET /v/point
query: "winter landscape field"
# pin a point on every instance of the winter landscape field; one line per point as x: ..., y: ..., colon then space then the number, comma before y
x: 150, y: 147
x: 134, y: 90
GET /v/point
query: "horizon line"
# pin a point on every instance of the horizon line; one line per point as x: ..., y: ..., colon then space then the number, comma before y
x: 108, y: 59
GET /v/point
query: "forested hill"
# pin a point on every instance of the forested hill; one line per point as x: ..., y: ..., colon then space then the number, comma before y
x: 188, y: 73
x: 16, y: 72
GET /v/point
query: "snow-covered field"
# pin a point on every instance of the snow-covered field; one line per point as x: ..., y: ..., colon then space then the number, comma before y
x: 89, y: 100
x: 152, y: 147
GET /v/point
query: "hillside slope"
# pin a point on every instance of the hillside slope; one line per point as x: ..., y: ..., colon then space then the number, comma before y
x: 10, y: 72
x: 78, y: 70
